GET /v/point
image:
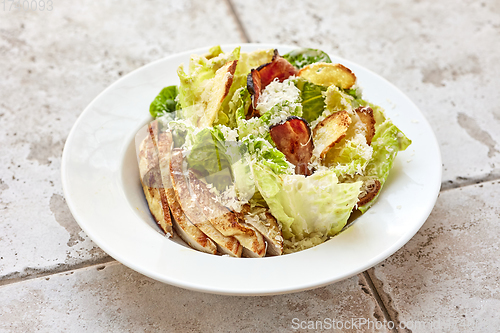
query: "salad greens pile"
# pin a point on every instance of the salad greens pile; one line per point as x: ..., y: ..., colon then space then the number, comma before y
x: 309, y: 209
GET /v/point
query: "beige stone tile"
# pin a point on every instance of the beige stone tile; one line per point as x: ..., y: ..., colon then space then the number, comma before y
x: 448, y: 273
x: 442, y: 54
x: 113, y: 298
x: 53, y: 64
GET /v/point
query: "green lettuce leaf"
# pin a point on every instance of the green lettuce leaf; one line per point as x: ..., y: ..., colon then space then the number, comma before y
x: 313, y: 99
x: 309, y: 209
x: 243, y: 179
x: 192, y: 84
x: 386, y: 144
x: 337, y: 100
x: 270, y: 187
x: 213, y: 52
x: 349, y: 157
x: 304, y: 56
x: 221, y: 161
x: 262, y: 151
x: 206, y: 153
x: 165, y: 102
x: 240, y: 103
x: 254, y: 59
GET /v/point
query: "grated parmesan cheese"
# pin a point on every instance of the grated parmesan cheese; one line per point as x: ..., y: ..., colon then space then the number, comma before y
x: 229, y: 198
x: 229, y: 134
x: 277, y: 92
x: 281, y: 97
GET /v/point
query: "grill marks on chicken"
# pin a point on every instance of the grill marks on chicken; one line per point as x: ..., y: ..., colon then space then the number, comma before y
x: 181, y: 224
x: 226, y: 221
x: 190, y: 204
x: 198, y: 218
x: 150, y: 176
x: 267, y: 225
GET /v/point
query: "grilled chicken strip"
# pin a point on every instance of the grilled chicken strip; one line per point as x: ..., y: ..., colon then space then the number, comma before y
x: 266, y: 224
x: 193, y: 236
x: 226, y: 221
x: 192, y: 208
x: 151, y: 181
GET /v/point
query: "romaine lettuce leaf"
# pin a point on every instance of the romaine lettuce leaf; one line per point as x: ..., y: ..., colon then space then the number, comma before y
x: 264, y: 152
x: 270, y: 187
x: 206, y: 155
x: 240, y: 103
x: 313, y: 99
x: 165, y: 102
x: 243, y: 179
x: 386, y: 143
x: 337, y: 100
x: 213, y: 52
x: 304, y: 56
x: 253, y: 59
x: 192, y: 84
x: 307, y: 208
x: 349, y: 157
x: 210, y: 155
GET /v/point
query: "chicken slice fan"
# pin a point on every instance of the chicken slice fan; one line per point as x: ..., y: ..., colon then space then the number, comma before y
x: 151, y: 181
x: 192, y: 208
x: 189, y: 233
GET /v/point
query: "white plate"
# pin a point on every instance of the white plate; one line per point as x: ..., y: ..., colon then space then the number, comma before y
x: 100, y: 179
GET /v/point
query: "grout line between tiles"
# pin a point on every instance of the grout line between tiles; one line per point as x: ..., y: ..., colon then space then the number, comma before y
x: 241, y: 28
x: 464, y: 181
x: 34, y: 273
x: 379, y: 300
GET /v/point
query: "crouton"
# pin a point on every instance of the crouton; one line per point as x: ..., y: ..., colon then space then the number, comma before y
x: 329, y: 132
x: 214, y: 93
x: 327, y: 74
x: 366, y: 116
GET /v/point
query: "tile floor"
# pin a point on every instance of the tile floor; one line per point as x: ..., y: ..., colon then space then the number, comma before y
x: 444, y: 55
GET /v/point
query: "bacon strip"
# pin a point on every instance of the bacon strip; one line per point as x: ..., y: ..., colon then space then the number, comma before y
x: 293, y: 138
x: 259, y: 78
x: 254, y: 85
x: 278, y: 68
